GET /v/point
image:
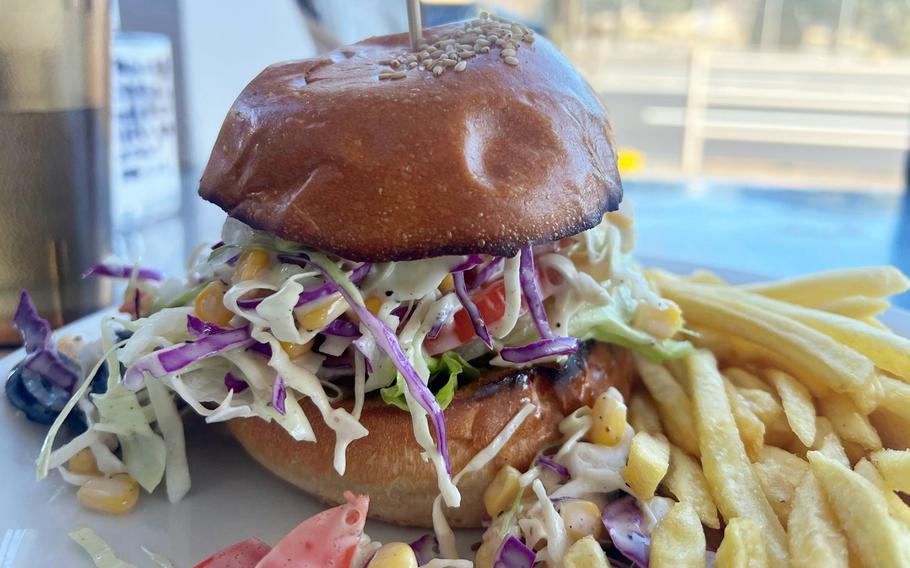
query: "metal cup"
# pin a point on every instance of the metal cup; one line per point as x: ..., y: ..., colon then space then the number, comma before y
x: 54, y: 206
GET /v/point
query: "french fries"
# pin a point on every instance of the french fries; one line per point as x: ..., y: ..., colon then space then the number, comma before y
x: 642, y: 414
x: 849, y: 423
x: 733, y: 482
x: 779, y: 472
x: 894, y: 429
x: 895, y: 396
x: 818, y: 355
x: 898, y: 508
x: 798, y: 406
x: 888, y: 351
x: 894, y: 466
x: 742, y: 546
x: 814, y: 535
x: 810, y: 384
x: 751, y: 428
x: 687, y: 483
x: 863, y: 513
x: 673, y: 404
x: 678, y: 540
x: 857, y: 307
x: 824, y: 287
x: 746, y: 380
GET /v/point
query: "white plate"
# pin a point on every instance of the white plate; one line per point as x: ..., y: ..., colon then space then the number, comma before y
x: 232, y: 497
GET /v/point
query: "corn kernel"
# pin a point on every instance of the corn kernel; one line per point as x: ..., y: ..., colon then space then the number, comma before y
x: 394, y: 555
x: 319, y: 316
x: 661, y: 322
x: 295, y: 350
x: 209, y: 305
x: 649, y: 460
x: 586, y: 553
x: 251, y: 264
x: 582, y: 518
x: 373, y: 304
x: 83, y: 463
x: 501, y: 493
x: 447, y: 284
x: 115, y: 495
x: 608, y: 419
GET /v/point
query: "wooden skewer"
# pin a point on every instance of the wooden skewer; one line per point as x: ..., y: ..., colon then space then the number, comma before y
x: 415, y: 29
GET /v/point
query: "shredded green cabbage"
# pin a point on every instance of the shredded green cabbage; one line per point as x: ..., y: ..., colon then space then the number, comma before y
x: 102, y: 554
x: 144, y: 452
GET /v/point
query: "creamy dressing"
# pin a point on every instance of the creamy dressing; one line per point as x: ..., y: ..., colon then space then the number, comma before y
x: 444, y: 533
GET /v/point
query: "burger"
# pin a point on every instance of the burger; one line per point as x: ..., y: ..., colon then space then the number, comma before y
x: 419, y: 244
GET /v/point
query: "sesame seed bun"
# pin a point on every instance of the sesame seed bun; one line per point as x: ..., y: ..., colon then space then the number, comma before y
x: 386, y: 465
x: 348, y: 154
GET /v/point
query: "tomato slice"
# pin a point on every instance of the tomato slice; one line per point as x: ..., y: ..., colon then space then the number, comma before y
x: 245, y: 554
x: 327, y: 540
x: 491, y: 303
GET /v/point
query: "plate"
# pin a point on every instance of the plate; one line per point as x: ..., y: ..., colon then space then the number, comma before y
x: 232, y: 497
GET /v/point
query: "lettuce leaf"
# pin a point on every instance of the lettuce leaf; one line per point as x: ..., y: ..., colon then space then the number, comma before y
x: 444, y: 369
x: 604, y: 324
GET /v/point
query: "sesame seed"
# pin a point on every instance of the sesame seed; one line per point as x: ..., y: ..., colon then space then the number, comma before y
x: 455, y: 46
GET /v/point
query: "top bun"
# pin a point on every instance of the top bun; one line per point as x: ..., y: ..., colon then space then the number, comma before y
x: 486, y: 159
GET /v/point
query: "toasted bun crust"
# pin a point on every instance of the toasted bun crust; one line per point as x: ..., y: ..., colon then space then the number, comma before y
x: 386, y: 465
x: 324, y: 153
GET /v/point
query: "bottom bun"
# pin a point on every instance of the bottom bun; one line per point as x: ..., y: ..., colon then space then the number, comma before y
x: 387, y: 464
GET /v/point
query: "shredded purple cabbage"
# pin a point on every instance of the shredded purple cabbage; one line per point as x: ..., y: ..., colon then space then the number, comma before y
x: 341, y: 328
x: 469, y: 263
x: 485, y: 273
x: 122, y: 271
x: 42, y: 356
x: 425, y: 548
x: 441, y: 319
x: 480, y: 327
x: 531, y: 291
x: 279, y: 395
x: 357, y: 275
x: 623, y: 519
x: 261, y: 348
x: 198, y: 327
x: 549, y: 463
x: 387, y: 342
x: 540, y: 349
x: 235, y: 384
x: 169, y: 360
x: 514, y: 554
